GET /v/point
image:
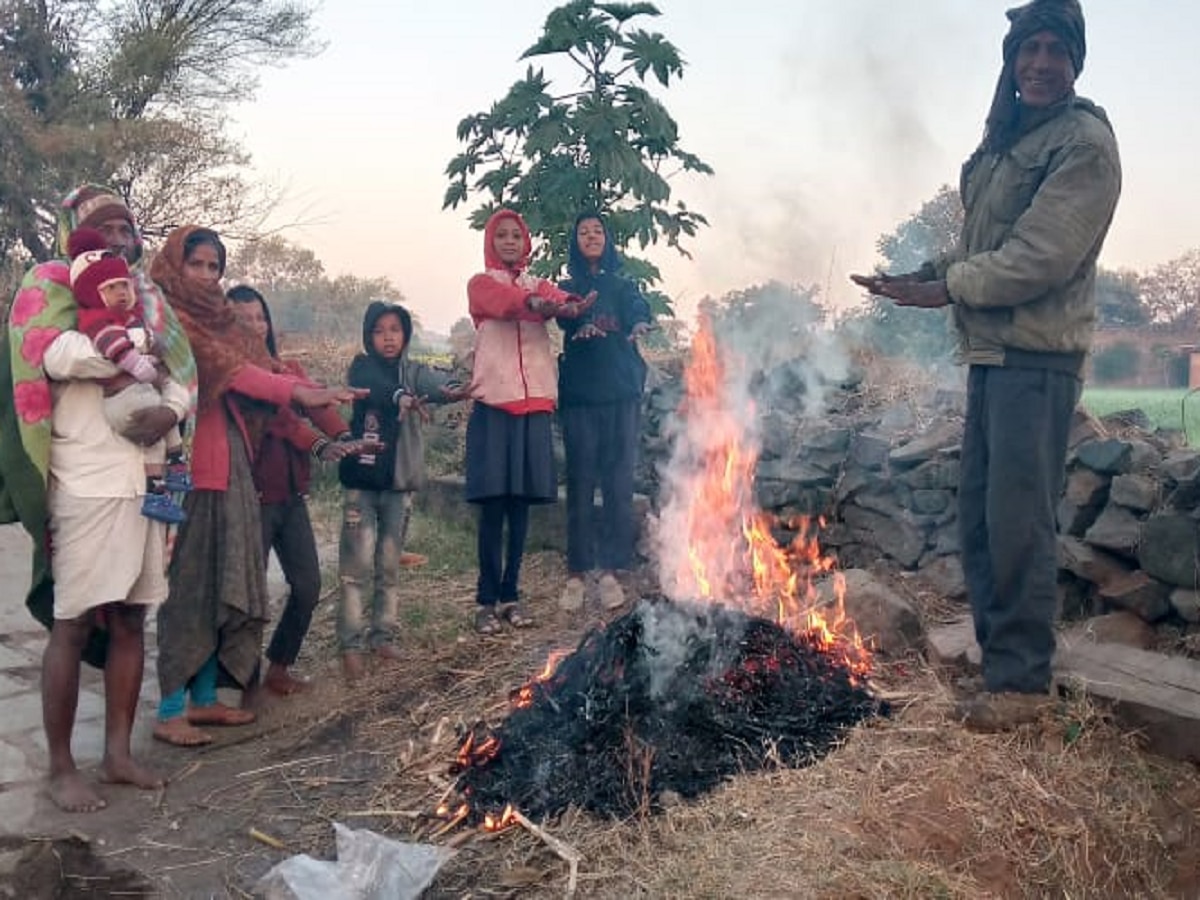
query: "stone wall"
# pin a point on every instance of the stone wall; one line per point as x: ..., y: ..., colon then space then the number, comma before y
x: 885, y: 480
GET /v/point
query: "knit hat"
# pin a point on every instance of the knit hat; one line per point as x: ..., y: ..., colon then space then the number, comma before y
x: 94, y: 205
x: 1063, y: 17
x: 93, y: 266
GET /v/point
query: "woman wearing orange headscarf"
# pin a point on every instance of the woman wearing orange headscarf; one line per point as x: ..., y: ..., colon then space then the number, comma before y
x: 211, y: 625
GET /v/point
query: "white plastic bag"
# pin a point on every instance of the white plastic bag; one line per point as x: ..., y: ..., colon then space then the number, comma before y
x: 368, y: 867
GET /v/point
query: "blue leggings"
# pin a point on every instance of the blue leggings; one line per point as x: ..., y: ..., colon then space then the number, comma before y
x: 202, y: 687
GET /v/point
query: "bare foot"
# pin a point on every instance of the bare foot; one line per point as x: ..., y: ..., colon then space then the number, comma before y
x: 219, y: 714
x: 180, y: 733
x: 71, y: 793
x: 352, y: 665
x: 280, y: 681
x: 129, y: 771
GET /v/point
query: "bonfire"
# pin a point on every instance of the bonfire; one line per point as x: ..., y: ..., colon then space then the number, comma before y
x: 734, y: 666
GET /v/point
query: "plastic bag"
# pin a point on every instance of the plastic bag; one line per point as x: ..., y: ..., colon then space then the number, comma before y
x: 368, y: 867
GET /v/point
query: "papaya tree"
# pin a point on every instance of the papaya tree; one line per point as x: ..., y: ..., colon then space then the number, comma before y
x: 606, y: 143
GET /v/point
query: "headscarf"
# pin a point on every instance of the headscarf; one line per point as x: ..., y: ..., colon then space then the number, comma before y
x: 610, y: 260
x: 490, y: 258
x: 1062, y: 17
x: 220, y: 341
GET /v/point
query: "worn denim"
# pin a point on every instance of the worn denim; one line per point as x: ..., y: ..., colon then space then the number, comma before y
x: 374, y: 528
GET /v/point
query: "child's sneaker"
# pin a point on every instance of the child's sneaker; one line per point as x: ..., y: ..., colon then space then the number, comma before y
x: 162, y: 508
x: 178, y: 479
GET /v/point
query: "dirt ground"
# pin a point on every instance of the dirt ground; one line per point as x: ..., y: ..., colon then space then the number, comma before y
x: 911, y: 806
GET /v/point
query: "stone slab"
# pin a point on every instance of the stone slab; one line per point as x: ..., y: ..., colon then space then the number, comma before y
x: 1155, y: 694
x: 953, y: 645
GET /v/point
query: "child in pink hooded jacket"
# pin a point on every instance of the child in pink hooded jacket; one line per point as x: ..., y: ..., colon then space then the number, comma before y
x: 514, y: 383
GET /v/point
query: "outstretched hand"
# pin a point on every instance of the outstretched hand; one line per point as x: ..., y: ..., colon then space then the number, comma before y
x: 150, y: 425
x: 337, y: 450
x: 588, y: 331
x: 905, y: 289
x: 457, y: 390
x: 412, y: 404
x: 576, y: 306
x: 313, y: 397
x: 640, y: 329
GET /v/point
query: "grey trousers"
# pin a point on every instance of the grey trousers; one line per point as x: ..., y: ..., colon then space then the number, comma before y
x: 1013, y: 465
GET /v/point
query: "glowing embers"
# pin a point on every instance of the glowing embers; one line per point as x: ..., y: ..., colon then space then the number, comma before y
x: 670, y: 697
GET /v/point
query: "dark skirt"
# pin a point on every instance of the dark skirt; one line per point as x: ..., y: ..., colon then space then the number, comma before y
x: 510, y: 456
x: 217, y: 602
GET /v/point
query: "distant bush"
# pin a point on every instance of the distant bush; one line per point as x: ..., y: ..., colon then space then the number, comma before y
x: 1119, y: 362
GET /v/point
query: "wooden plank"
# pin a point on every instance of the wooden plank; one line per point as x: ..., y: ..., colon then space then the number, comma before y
x: 1156, y: 694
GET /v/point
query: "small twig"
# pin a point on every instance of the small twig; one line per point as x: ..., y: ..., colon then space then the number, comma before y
x: 563, y: 850
x: 384, y: 813
x: 263, y: 838
x: 285, y: 765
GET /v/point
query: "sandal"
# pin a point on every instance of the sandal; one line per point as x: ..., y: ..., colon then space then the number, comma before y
x: 486, y: 621
x: 514, y: 615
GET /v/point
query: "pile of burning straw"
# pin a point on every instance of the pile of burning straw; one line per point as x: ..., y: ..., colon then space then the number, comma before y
x: 670, y: 698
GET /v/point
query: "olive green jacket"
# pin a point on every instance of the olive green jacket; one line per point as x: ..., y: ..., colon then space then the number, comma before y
x: 1023, y: 276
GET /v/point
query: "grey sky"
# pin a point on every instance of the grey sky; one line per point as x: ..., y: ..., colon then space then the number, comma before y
x: 826, y: 122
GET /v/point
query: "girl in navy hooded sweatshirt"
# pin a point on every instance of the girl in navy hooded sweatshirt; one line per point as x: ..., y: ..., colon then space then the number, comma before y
x: 600, y: 380
x: 510, y: 461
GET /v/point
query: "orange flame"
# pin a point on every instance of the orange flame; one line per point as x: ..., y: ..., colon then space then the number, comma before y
x: 731, y: 556
x: 523, y: 696
x: 472, y: 754
x: 506, y: 819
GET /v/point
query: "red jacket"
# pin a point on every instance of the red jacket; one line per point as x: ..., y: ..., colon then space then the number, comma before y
x: 210, y: 445
x: 283, y: 466
x: 514, y: 367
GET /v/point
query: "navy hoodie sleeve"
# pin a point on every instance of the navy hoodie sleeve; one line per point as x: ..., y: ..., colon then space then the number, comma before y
x: 367, y: 373
x: 636, y: 309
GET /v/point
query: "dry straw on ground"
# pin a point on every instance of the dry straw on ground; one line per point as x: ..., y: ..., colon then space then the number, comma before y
x: 913, y: 806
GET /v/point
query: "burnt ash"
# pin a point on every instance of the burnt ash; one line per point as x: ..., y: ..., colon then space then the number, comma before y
x: 670, y: 697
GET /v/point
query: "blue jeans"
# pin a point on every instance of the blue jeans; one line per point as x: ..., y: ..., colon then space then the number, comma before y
x: 374, y: 527
x: 202, y: 687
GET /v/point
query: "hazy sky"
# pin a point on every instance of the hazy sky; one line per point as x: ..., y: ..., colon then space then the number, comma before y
x: 826, y: 122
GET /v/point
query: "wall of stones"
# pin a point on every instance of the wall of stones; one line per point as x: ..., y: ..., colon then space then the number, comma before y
x: 886, y: 479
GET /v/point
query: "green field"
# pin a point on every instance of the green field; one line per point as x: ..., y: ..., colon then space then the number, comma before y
x: 1166, y: 408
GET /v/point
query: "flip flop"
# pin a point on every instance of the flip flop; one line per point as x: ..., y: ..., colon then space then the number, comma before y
x: 486, y: 621
x: 514, y: 615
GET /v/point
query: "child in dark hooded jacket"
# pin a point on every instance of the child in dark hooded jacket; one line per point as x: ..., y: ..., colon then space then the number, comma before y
x: 379, y: 486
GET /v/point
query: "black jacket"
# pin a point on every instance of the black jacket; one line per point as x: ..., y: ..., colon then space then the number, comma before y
x: 400, y: 466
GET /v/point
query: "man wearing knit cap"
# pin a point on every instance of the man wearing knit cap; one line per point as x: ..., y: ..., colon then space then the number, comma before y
x: 85, y: 489
x: 1039, y: 194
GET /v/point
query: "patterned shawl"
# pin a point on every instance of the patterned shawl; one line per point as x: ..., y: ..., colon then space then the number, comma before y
x: 42, y: 309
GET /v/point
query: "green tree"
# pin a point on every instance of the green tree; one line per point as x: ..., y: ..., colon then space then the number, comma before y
x: 1172, y: 290
x: 1119, y: 301
x: 608, y: 145
x: 893, y: 330
x: 302, y: 297
x: 133, y: 93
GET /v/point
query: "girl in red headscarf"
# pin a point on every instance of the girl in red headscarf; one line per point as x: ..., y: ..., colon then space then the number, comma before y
x: 514, y: 382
